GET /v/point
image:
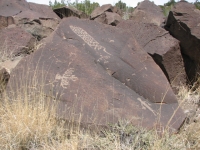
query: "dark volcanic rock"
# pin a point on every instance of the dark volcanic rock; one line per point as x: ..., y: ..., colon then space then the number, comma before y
x: 117, y: 10
x: 183, y: 23
x: 107, y: 14
x: 5, y: 21
x: 100, y: 72
x: 39, y: 28
x: 70, y: 11
x: 15, y: 41
x: 109, y: 18
x: 161, y: 46
x: 148, y: 12
x: 37, y: 19
x: 100, y: 10
x: 23, y: 9
x: 101, y: 18
x: 12, y: 7
x: 113, y: 18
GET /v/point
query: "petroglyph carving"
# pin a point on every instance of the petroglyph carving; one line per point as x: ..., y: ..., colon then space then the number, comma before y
x: 66, y: 77
x: 146, y: 105
x: 104, y: 59
x: 91, y: 42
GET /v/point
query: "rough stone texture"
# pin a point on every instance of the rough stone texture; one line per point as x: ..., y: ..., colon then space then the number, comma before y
x: 101, y: 18
x: 161, y: 46
x: 39, y: 28
x: 117, y: 10
x: 70, y: 11
x: 37, y: 19
x: 148, y: 12
x: 100, y: 10
x: 109, y: 18
x: 100, y: 72
x: 23, y: 9
x: 183, y: 23
x: 5, y: 21
x: 107, y: 14
x: 4, y: 77
x: 113, y: 18
x: 12, y: 7
x: 14, y: 42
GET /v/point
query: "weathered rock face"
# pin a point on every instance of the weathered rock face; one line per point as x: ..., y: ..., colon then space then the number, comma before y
x: 100, y: 10
x: 5, y: 21
x: 163, y: 48
x: 101, y: 18
x: 14, y: 43
x: 187, y: 30
x: 107, y: 14
x: 39, y: 28
x: 39, y: 20
x: 102, y: 73
x: 69, y: 12
x: 117, y: 10
x: 23, y: 9
x: 113, y: 18
x: 148, y: 12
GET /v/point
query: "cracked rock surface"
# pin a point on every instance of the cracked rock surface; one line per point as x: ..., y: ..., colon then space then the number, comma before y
x: 102, y: 70
x: 183, y: 23
x: 163, y: 48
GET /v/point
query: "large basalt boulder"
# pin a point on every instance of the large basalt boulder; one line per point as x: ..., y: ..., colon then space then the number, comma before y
x: 37, y: 19
x: 39, y: 28
x: 69, y: 12
x: 22, y: 8
x: 163, y: 48
x: 117, y: 10
x: 109, y: 18
x: 100, y: 72
x: 112, y: 18
x: 14, y: 42
x: 101, y: 18
x: 100, y: 10
x: 12, y: 7
x: 5, y: 21
x: 148, y: 12
x: 107, y: 14
x: 183, y: 23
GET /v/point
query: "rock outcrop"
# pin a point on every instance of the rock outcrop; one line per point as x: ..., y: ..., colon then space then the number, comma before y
x: 107, y: 14
x: 148, y: 12
x: 163, y: 48
x: 183, y: 23
x: 102, y: 73
x: 70, y: 12
x: 37, y: 19
x: 15, y: 43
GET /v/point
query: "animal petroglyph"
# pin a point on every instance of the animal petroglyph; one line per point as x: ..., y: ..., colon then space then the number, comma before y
x: 91, y: 42
x: 66, y: 77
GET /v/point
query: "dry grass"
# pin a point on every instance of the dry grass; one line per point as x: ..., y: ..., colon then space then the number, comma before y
x: 29, y: 122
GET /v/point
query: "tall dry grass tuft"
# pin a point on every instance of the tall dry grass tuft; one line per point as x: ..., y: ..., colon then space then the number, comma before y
x: 25, y: 123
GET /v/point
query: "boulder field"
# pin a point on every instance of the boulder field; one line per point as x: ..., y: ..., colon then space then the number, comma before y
x: 100, y: 69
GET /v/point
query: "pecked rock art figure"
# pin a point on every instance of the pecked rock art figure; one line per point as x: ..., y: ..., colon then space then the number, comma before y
x: 100, y: 73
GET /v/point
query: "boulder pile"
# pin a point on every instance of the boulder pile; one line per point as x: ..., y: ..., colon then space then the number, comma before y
x: 107, y: 14
x: 102, y: 68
